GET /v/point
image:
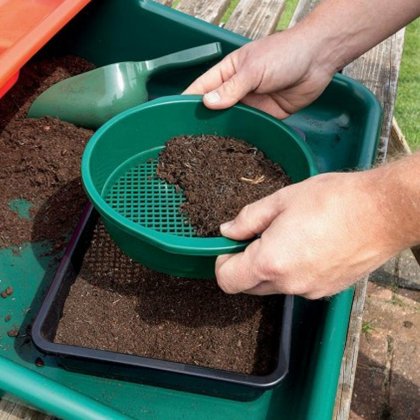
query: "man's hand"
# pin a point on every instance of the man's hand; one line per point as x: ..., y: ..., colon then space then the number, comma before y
x: 288, y: 70
x: 317, y: 237
x: 278, y: 74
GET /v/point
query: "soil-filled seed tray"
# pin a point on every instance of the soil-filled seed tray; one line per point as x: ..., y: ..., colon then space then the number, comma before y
x: 107, y: 315
x: 341, y: 128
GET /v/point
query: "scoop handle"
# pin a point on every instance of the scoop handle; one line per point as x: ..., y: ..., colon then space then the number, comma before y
x: 185, y: 58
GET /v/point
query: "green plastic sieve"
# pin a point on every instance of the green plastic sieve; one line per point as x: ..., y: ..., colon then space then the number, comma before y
x: 141, y: 211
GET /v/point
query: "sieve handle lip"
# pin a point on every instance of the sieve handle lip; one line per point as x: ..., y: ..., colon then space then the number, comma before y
x: 213, y: 246
x: 198, y: 246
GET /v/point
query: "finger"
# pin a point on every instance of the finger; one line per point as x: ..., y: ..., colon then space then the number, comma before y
x: 236, y: 272
x: 254, y: 218
x: 230, y: 92
x: 213, y: 78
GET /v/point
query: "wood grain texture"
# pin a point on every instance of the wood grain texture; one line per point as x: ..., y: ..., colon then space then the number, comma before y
x: 255, y: 18
x: 302, y: 9
x: 398, y: 144
x: 210, y: 11
x: 351, y: 352
x: 10, y: 410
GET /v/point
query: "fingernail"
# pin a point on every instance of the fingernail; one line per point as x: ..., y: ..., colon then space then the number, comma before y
x: 212, y: 97
x: 226, y: 226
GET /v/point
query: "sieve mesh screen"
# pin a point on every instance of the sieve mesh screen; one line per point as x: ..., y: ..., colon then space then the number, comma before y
x: 142, y: 197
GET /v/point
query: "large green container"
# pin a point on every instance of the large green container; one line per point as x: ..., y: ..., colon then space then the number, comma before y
x: 341, y: 129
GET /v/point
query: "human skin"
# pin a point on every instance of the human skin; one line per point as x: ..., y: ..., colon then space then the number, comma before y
x: 316, y: 237
x: 321, y: 235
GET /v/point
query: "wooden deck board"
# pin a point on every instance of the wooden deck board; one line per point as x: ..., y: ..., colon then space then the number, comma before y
x: 255, y: 18
x: 349, y: 363
x: 210, y: 10
x: 11, y: 410
x: 302, y: 9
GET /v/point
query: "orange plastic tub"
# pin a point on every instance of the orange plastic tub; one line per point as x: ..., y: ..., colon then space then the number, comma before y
x: 25, y: 26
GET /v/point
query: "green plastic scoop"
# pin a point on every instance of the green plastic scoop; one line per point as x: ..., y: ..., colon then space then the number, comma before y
x: 89, y: 99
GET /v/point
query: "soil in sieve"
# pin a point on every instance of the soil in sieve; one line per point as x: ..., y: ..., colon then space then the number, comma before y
x: 219, y: 176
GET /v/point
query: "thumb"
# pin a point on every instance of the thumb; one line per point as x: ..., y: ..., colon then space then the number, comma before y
x: 229, y: 93
x: 254, y: 218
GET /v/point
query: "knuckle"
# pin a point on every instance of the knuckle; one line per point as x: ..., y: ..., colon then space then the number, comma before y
x: 271, y: 266
x: 275, y: 269
x: 231, y: 87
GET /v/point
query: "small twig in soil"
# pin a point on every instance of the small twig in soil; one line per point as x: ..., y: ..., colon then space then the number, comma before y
x: 255, y: 181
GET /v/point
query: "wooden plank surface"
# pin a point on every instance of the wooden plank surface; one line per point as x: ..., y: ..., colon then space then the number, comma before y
x: 397, y: 142
x: 302, y: 9
x: 255, y: 18
x: 210, y: 10
x: 10, y: 410
x: 351, y: 353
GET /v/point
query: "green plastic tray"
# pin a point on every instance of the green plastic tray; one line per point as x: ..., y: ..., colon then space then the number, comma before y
x: 341, y: 128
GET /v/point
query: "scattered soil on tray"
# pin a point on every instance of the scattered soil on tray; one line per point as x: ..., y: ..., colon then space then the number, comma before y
x: 120, y: 306
x: 219, y: 176
x: 39, y: 159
